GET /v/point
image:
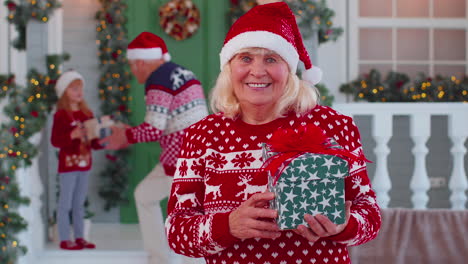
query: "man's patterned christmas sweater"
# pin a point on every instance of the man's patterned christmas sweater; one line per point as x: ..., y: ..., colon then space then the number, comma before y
x: 174, y: 101
x: 218, y: 170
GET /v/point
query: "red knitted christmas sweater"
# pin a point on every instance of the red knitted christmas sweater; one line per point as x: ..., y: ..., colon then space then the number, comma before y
x: 74, y: 154
x: 217, y: 154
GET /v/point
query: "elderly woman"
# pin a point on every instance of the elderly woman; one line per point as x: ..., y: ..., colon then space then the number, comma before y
x: 218, y: 208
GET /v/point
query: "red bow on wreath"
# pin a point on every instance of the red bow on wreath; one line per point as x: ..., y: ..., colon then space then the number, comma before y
x: 292, y: 143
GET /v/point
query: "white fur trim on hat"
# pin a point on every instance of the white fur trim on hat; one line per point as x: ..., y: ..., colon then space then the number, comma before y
x: 260, y: 39
x: 312, y: 75
x: 147, y: 54
x: 64, y: 81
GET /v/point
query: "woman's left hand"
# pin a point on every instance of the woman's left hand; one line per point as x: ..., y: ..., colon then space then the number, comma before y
x: 320, y: 226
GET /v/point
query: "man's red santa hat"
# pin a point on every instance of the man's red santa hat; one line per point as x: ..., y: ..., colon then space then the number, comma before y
x: 147, y: 46
x: 271, y: 26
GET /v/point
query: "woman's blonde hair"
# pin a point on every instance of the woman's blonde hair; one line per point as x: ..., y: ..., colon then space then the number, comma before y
x: 299, y: 95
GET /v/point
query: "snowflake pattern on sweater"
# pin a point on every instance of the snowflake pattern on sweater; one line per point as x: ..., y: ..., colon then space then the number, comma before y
x: 174, y: 101
x: 219, y: 169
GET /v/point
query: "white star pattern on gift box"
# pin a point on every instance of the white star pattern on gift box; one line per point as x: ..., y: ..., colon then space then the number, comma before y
x: 312, y: 184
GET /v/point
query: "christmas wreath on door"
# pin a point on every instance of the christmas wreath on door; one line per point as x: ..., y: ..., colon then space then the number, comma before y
x: 180, y: 19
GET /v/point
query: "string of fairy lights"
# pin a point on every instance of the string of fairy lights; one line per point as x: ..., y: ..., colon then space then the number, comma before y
x: 114, y: 85
x: 397, y: 87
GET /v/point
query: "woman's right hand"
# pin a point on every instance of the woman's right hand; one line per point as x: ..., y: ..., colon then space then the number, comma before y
x: 252, y: 219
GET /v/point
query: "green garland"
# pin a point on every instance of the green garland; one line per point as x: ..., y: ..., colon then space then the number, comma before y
x: 325, y: 97
x: 311, y: 16
x: 114, y: 88
x: 20, y: 13
x: 397, y: 87
x: 7, y: 83
x: 27, y: 113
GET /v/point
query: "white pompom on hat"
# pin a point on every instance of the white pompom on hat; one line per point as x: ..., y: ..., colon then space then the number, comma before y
x: 64, y: 81
x: 271, y: 26
x: 147, y: 46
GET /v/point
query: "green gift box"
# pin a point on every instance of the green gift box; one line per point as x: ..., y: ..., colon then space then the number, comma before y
x: 307, y: 183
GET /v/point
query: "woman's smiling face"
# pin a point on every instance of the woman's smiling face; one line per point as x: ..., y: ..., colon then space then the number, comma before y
x: 259, y: 77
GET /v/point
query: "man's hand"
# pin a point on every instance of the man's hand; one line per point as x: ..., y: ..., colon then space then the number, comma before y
x: 117, y: 139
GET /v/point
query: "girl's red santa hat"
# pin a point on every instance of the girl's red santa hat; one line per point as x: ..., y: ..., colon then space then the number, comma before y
x: 64, y: 81
x: 147, y: 46
x: 271, y: 26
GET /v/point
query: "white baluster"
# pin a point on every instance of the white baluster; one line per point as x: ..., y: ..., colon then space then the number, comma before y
x: 4, y: 41
x: 31, y: 186
x: 458, y: 184
x: 18, y: 61
x: 420, y: 130
x: 382, y: 128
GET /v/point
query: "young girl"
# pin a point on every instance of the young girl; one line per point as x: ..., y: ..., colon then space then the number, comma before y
x: 69, y: 135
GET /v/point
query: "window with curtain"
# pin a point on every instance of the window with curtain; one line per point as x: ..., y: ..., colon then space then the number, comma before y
x: 410, y: 36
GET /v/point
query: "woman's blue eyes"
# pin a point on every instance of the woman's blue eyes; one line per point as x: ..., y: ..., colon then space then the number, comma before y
x: 246, y: 59
x: 249, y: 59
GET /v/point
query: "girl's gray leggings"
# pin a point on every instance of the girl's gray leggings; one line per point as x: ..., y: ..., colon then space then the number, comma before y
x: 73, y: 191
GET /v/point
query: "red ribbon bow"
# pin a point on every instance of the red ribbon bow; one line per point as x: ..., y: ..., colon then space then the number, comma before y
x: 291, y: 143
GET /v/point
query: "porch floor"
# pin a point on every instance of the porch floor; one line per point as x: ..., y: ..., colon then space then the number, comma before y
x: 115, y: 244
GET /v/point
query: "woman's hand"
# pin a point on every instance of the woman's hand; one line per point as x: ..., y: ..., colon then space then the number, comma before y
x: 252, y: 219
x: 321, y: 226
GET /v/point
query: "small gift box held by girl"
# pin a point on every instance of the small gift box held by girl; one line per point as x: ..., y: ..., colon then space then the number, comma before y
x: 69, y: 135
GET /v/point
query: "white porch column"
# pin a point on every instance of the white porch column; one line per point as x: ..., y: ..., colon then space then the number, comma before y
x: 28, y: 178
x: 17, y: 61
x: 458, y: 184
x: 55, y: 28
x: 31, y: 186
x: 382, y: 128
x: 420, y: 130
x: 4, y: 45
x: 4, y: 54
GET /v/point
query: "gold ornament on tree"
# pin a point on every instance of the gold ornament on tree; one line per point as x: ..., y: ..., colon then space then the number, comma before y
x: 180, y: 19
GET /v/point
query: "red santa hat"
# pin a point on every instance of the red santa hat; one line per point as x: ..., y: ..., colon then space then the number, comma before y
x: 147, y: 46
x: 64, y: 81
x: 272, y: 26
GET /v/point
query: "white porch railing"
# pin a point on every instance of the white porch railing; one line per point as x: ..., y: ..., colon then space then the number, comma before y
x: 420, y: 130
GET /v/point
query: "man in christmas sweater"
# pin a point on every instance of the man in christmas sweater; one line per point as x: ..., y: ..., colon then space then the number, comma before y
x: 174, y: 101
x: 218, y: 208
